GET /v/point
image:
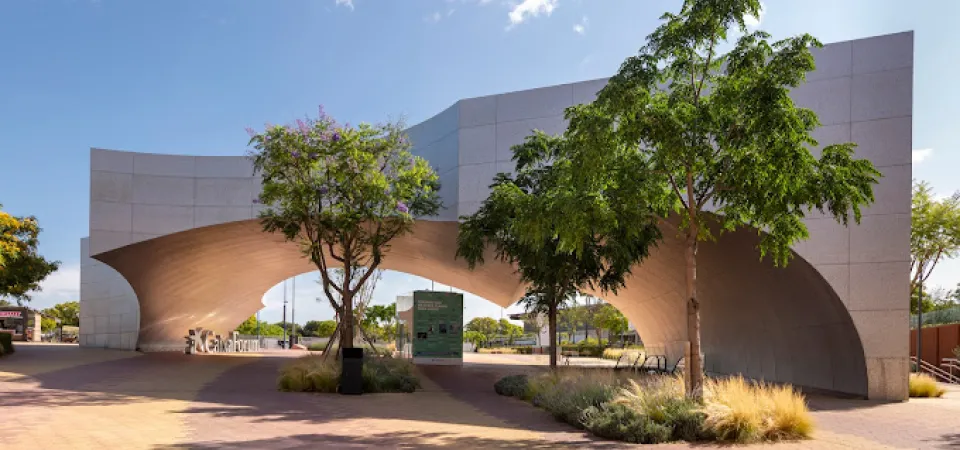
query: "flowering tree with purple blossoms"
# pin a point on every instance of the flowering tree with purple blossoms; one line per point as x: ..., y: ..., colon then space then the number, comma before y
x: 343, y: 193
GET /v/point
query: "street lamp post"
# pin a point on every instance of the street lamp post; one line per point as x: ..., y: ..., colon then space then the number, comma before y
x: 919, y: 325
x: 284, y: 341
x: 293, y: 314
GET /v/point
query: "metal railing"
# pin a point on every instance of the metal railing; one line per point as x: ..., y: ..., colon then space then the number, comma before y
x: 936, y: 372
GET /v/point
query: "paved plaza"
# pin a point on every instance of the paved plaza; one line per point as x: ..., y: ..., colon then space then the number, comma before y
x: 62, y: 396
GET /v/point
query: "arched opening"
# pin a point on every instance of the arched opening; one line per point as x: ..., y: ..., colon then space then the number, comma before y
x: 778, y: 324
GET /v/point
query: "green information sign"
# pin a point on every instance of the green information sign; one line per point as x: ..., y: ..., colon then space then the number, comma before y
x: 437, y: 328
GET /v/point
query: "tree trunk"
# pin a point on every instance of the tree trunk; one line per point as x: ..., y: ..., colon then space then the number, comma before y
x: 695, y: 364
x: 346, y: 322
x: 552, y: 333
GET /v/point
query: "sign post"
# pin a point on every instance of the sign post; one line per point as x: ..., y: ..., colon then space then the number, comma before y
x: 437, y: 330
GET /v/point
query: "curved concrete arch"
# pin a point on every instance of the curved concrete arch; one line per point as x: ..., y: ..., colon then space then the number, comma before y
x: 783, y: 325
x: 173, y: 242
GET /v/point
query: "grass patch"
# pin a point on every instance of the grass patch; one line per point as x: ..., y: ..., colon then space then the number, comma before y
x: 923, y: 385
x: 616, y: 353
x: 498, y: 350
x: 651, y: 409
x: 314, y: 374
x: 741, y: 411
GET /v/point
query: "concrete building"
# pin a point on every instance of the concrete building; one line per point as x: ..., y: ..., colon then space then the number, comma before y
x: 174, y: 243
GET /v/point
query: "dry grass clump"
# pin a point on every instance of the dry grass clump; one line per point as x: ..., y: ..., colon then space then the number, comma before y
x: 616, y: 353
x: 313, y: 373
x: 741, y: 411
x: 497, y: 350
x: 653, y: 409
x: 923, y: 385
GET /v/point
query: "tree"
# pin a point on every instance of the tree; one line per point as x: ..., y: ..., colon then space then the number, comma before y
x: 483, y: 325
x: 67, y: 312
x: 511, y: 221
x: 536, y: 321
x: 611, y: 319
x: 474, y: 337
x: 509, y: 330
x: 343, y: 193
x: 724, y: 147
x: 249, y: 327
x: 319, y: 328
x: 934, y: 235
x: 21, y: 266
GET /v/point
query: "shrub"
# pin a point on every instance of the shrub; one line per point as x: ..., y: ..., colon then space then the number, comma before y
x: 317, y: 346
x: 620, y: 422
x: 314, y: 374
x: 740, y: 411
x: 923, y: 385
x: 956, y: 352
x: 388, y: 374
x: 616, y: 353
x: 662, y: 401
x: 6, y: 343
x: 498, y: 350
x: 567, y: 395
x: 512, y: 386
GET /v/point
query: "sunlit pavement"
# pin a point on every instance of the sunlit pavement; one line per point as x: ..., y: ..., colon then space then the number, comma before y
x: 56, y: 396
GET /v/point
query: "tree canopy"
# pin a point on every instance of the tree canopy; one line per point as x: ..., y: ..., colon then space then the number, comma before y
x: 67, y: 312
x: 22, y: 268
x: 513, y: 222
x: 713, y: 143
x: 483, y: 325
x: 343, y: 193
x: 934, y: 236
x: 319, y: 328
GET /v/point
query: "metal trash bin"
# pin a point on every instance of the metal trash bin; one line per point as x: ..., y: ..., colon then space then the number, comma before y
x: 351, y: 371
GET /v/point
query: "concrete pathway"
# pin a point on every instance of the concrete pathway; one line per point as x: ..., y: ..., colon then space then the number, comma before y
x: 66, y: 397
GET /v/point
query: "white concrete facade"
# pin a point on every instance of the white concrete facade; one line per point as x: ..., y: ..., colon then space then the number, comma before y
x: 845, y: 312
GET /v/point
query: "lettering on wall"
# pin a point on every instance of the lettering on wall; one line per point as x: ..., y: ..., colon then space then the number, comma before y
x: 200, y: 340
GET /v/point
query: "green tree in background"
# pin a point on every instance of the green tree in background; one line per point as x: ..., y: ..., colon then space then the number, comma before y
x: 343, y: 194
x: 934, y: 236
x: 723, y: 148
x: 319, y: 328
x: 249, y: 327
x: 509, y: 330
x: 67, y: 312
x: 21, y: 266
x: 474, y: 337
x: 486, y: 326
x: 609, y: 318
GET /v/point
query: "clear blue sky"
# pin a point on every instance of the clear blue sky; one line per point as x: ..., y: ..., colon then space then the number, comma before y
x: 186, y: 76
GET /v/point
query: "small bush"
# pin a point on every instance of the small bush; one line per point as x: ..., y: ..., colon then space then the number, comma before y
x: 923, y: 385
x: 6, y: 343
x: 512, y: 386
x: 620, y: 422
x: 740, y: 411
x: 387, y: 374
x: 567, y: 395
x: 314, y: 374
x: 616, y: 353
x: 317, y: 346
x: 498, y: 350
x: 662, y: 401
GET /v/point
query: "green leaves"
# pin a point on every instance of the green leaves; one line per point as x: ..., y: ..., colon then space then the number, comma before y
x: 354, y: 187
x: 934, y: 231
x: 22, y: 268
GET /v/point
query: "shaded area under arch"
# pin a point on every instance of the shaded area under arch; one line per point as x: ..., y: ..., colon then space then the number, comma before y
x: 778, y: 324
